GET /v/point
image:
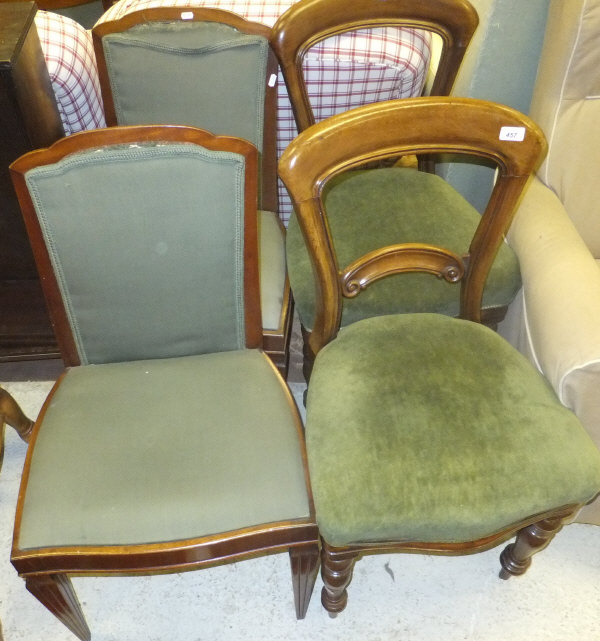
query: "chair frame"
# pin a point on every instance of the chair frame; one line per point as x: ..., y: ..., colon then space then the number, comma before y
x: 47, y: 571
x: 374, y: 133
x: 275, y: 341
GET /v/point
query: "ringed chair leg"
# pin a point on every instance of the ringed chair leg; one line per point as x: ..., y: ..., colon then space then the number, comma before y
x: 516, y: 557
x: 56, y: 593
x: 336, y: 572
x: 304, y: 561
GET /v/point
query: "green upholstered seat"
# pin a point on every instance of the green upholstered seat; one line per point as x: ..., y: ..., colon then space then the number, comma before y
x: 212, y: 460
x: 458, y: 462
x: 426, y: 210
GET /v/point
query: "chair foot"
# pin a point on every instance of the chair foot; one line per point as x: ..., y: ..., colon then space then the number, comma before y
x: 516, y: 557
x: 305, y: 565
x: 336, y: 572
x: 56, y: 593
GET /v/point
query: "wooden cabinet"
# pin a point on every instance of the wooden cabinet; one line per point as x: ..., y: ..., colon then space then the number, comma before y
x: 28, y: 119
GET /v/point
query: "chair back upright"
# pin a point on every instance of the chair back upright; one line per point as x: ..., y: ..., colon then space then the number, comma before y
x: 145, y: 238
x: 309, y: 22
x: 497, y: 133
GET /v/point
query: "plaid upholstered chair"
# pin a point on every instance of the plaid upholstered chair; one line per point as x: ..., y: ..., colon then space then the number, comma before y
x: 358, y: 203
x: 171, y: 441
x: 210, y: 69
x: 427, y: 433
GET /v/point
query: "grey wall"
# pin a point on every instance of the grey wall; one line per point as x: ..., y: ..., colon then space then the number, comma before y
x: 500, y: 65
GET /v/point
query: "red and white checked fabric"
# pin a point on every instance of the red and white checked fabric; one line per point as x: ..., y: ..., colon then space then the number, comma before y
x: 71, y: 63
x: 341, y: 72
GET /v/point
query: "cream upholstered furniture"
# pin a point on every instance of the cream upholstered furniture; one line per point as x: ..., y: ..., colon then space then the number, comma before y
x: 555, y: 319
x: 211, y: 69
x: 171, y: 442
x: 424, y: 432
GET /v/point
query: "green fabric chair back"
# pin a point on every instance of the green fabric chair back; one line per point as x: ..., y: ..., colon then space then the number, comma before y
x: 206, y: 74
x: 166, y: 275
x: 203, y: 74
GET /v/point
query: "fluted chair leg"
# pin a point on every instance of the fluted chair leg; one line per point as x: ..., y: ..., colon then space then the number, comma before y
x: 516, y: 557
x: 304, y: 561
x: 56, y: 593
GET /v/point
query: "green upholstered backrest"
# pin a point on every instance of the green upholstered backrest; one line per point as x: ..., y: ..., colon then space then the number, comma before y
x: 147, y: 243
x: 204, y: 74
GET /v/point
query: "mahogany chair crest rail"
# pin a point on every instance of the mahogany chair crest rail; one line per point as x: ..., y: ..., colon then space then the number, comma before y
x: 427, y: 433
x: 171, y: 442
x: 354, y: 205
x: 11, y: 414
x: 308, y: 22
x: 211, y: 69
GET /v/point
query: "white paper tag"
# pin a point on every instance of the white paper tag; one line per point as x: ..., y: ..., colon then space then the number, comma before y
x: 515, y: 134
x: 187, y: 15
x: 272, y: 80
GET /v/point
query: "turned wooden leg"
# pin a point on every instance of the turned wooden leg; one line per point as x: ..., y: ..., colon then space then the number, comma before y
x: 305, y: 564
x: 336, y: 572
x: 12, y: 414
x: 55, y: 592
x: 516, y: 557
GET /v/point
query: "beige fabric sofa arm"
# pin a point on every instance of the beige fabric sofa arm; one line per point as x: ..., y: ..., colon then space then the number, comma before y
x: 555, y: 321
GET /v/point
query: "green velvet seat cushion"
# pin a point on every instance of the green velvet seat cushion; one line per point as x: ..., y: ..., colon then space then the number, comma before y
x: 189, y: 446
x: 424, y: 427
x: 428, y: 210
x: 272, y: 268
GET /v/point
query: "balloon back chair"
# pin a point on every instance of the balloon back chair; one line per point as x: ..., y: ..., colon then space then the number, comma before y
x: 427, y: 433
x: 170, y: 442
x: 211, y: 69
x: 357, y: 205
